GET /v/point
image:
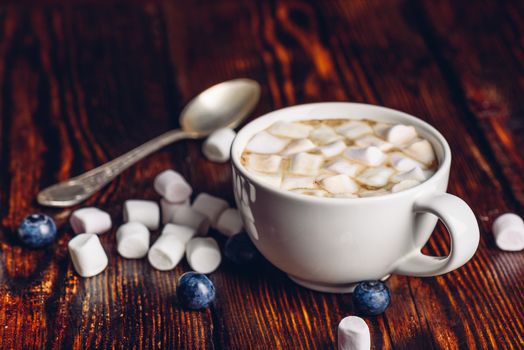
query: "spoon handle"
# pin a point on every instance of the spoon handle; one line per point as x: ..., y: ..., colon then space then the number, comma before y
x: 79, y: 188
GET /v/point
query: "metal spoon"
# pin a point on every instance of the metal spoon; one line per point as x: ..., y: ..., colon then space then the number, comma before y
x: 222, y: 105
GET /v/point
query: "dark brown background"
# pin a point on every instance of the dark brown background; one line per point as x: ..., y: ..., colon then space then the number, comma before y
x: 80, y: 83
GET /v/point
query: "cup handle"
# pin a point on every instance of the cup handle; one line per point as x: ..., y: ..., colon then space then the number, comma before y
x: 463, y: 229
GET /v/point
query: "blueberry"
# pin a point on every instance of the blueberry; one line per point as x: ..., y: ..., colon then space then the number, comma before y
x: 371, y: 298
x: 240, y: 250
x: 195, y: 291
x: 37, y: 230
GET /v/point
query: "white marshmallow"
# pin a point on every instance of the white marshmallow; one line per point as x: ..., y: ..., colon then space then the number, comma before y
x: 295, y: 182
x: 353, y: 334
x: 381, y: 128
x: 229, y: 223
x: 290, y: 130
x: 265, y: 163
x: 354, y: 129
x: 87, y: 254
x: 217, y: 146
x: 371, y: 155
x: 296, y: 146
x: 401, y: 162
x: 169, y: 248
x: 400, y: 134
x: 323, y: 135
x: 342, y: 166
x: 508, y: 230
x: 145, y: 212
x: 422, y: 151
x: 90, y: 220
x: 263, y: 142
x: 332, y: 149
x: 404, y: 185
x: 132, y: 240
x: 373, y: 193
x: 168, y: 208
x: 203, y: 254
x: 372, y: 140
x: 312, y: 192
x: 269, y: 179
x: 210, y: 206
x: 305, y: 164
x: 375, y: 177
x: 187, y: 216
x: 414, y: 174
x: 339, y: 184
x: 172, y: 186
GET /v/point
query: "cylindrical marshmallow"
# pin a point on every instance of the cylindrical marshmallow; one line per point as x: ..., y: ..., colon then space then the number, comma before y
x: 203, y: 254
x: 87, y: 254
x: 210, y: 206
x: 187, y: 216
x: 229, y: 223
x: 145, y: 212
x: 169, y: 248
x: 172, y: 186
x: 90, y: 220
x: 508, y: 230
x: 218, y: 145
x: 353, y: 334
x: 168, y: 209
x: 132, y: 240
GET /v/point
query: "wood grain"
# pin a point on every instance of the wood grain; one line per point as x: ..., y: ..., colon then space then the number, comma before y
x: 84, y: 81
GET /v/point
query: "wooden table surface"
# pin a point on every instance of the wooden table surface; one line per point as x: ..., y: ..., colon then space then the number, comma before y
x: 84, y: 81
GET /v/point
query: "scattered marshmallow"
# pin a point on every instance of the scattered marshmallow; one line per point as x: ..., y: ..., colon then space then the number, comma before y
x: 145, y: 212
x: 416, y: 174
x: 203, y: 254
x: 217, y: 146
x: 372, y: 140
x: 324, y: 134
x: 375, y: 177
x: 172, y: 186
x: 354, y: 129
x: 342, y: 166
x: 229, y: 223
x: 295, y: 182
x: 296, y: 146
x: 264, y: 142
x: 87, y: 254
x: 353, y: 334
x: 169, y: 248
x: 168, y: 209
x: 188, y: 216
x: 339, y: 184
x: 404, y: 185
x: 290, y: 130
x: 132, y: 240
x: 422, y: 151
x: 333, y: 149
x: 401, y: 162
x: 400, y: 134
x: 371, y: 155
x: 265, y: 163
x: 508, y: 230
x: 210, y: 206
x: 90, y: 220
x: 305, y: 164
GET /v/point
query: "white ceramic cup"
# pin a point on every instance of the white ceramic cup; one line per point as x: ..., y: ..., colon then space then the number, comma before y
x: 330, y: 244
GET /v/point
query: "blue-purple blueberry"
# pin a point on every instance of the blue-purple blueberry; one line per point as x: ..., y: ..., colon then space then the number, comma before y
x: 240, y: 250
x: 371, y: 298
x: 195, y: 291
x: 37, y: 230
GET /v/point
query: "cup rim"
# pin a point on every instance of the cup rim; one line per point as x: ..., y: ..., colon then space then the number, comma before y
x: 267, y: 119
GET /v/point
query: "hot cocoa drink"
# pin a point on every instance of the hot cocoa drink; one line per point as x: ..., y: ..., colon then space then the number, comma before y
x: 340, y: 157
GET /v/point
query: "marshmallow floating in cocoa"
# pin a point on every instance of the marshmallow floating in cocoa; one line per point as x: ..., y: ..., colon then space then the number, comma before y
x: 371, y: 155
x: 264, y: 142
